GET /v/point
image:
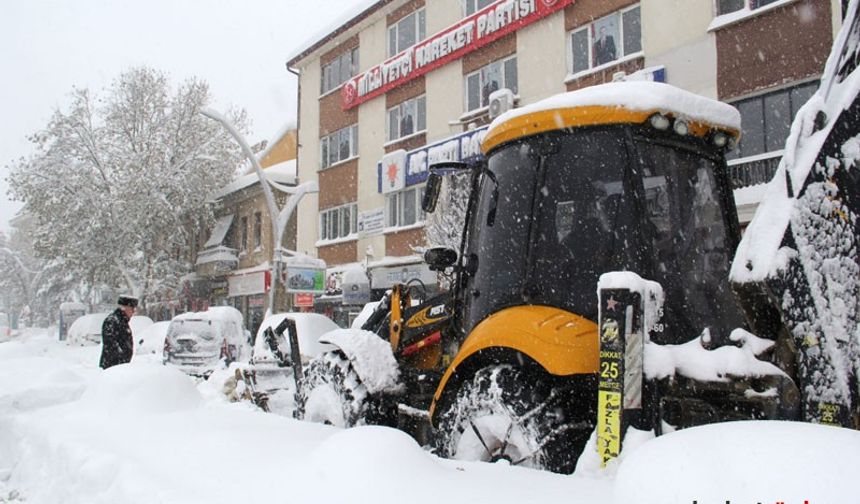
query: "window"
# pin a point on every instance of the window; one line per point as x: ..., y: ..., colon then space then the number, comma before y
x: 607, y: 39
x: 766, y: 119
x: 481, y: 83
x: 404, y: 207
x: 339, y: 146
x: 243, y: 243
x: 339, y: 70
x: 258, y: 230
x: 406, y: 32
x: 727, y: 6
x: 407, y: 118
x: 338, y: 222
x: 473, y: 6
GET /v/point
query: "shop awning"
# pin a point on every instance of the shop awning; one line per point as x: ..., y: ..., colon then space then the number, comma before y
x: 222, y: 225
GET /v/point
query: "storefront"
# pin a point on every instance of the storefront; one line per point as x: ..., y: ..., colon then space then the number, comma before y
x: 247, y: 293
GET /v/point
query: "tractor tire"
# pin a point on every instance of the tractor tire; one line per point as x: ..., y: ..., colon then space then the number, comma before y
x: 506, y: 414
x: 332, y: 392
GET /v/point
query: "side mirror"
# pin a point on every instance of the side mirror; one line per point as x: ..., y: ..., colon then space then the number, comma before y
x: 434, y: 182
x: 431, y: 192
x: 439, y: 258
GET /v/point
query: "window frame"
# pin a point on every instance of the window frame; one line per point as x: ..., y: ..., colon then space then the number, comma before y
x: 335, y: 220
x: 590, y: 27
x: 347, y: 59
x: 502, y: 63
x: 325, y: 152
x: 419, y: 22
x: 420, y: 123
x: 243, y: 233
x: 749, y: 5
x: 790, y: 92
x: 258, y: 230
x: 397, y: 220
x: 471, y: 6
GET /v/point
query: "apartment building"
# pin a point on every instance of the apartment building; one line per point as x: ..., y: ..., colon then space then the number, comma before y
x: 406, y: 82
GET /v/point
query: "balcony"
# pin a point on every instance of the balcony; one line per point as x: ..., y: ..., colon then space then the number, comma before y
x: 754, y: 170
x: 214, y: 261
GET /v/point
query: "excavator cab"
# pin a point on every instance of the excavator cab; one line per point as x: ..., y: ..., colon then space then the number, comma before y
x: 569, y: 193
x: 621, y: 177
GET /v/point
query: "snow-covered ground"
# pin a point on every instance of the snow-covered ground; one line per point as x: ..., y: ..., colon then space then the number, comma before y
x: 72, y: 433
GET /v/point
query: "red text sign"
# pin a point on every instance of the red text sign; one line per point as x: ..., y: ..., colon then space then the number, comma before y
x: 472, y: 33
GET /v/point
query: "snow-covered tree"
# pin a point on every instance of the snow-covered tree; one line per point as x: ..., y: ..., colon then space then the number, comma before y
x: 118, y: 182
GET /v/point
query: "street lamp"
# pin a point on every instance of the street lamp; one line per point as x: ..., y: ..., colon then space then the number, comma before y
x: 279, y: 219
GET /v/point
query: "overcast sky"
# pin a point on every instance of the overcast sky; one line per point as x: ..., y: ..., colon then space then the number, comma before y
x: 238, y: 46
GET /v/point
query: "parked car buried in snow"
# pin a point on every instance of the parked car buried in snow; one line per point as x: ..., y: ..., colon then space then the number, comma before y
x: 197, y: 342
x: 87, y: 330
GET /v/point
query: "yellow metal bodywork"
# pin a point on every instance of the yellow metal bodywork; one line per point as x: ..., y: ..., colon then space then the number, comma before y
x: 575, y: 117
x: 562, y: 343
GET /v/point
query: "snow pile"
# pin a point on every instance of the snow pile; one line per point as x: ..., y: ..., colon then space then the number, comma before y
x: 744, y: 462
x: 132, y: 389
x: 693, y: 360
x: 370, y: 355
x: 142, y: 434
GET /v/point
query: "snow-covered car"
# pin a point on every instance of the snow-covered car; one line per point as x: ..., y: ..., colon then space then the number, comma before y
x: 310, y: 326
x: 196, y: 342
x: 150, y: 341
x: 87, y: 330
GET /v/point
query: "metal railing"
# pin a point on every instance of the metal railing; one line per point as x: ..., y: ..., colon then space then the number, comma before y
x: 753, y: 170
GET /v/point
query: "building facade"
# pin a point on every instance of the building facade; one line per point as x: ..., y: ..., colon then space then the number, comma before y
x: 408, y: 82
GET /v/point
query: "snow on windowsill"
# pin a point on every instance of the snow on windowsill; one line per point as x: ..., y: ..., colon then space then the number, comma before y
x: 744, y: 14
x: 404, y: 138
x: 400, y: 229
x: 335, y: 165
x: 591, y: 71
x: 337, y: 241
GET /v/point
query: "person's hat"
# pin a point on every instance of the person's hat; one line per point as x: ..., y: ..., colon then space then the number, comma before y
x: 127, y: 301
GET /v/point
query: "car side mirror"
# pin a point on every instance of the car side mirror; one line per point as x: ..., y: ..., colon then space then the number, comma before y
x: 439, y: 258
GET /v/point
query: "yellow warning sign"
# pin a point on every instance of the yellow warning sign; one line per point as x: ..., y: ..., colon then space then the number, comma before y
x: 608, y: 425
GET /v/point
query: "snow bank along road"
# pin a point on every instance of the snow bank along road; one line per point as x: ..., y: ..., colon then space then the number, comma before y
x: 145, y: 433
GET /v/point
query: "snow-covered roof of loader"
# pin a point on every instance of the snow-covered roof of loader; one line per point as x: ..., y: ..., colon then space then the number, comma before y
x: 613, y: 103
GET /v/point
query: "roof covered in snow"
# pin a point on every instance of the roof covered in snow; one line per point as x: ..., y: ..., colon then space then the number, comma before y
x: 349, y: 18
x: 282, y: 173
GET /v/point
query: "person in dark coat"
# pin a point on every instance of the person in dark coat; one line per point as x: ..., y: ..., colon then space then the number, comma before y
x: 117, y: 342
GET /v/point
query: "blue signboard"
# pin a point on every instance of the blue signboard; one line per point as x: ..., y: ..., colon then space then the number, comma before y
x: 465, y: 147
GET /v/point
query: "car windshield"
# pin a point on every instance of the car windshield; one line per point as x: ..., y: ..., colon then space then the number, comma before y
x: 200, y: 328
